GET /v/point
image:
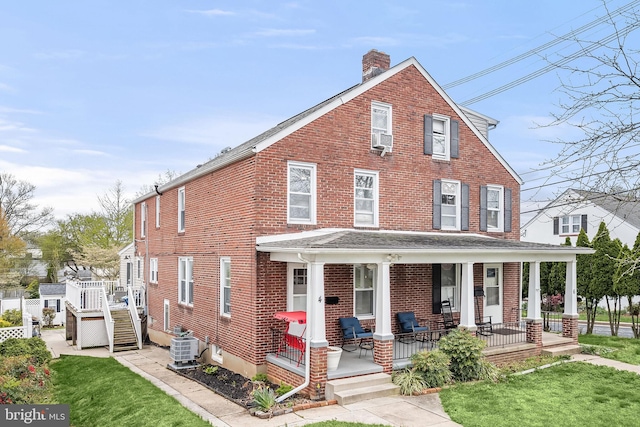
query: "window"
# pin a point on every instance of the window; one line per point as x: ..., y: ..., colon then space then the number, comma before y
x: 495, y: 208
x: 153, y: 270
x: 380, y: 122
x: 569, y: 224
x: 225, y: 286
x: 364, y: 276
x: 297, y: 279
x: 441, y: 137
x: 165, y: 323
x: 143, y: 219
x: 52, y: 303
x: 157, y: 211
x: 446, y: 286
x: 450, y: 205
x: 302, y: 193
x: 366, y: 198
x: 185, y: 280
x: 181, y: 210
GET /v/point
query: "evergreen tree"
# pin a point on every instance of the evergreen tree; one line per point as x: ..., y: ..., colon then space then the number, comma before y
x: 584, y: 282
x: 603, y: 268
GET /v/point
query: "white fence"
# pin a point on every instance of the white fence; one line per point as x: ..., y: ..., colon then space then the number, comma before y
x: 24, y: 331
x: 32, y: 306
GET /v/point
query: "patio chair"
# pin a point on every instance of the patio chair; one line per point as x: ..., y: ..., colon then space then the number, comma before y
x: 448, y: 321
x: 483, y: 323
x: 410, y: 325
x: 352, y: 330
x: 293, y: 338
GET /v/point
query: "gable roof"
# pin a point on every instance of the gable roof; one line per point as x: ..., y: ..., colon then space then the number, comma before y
x: 51, y: 289
x: 287, y: 127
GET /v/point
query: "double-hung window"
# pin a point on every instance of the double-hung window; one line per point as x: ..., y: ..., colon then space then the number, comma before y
x: 143, y: 219
x: 301, y: 193
x: 441, y: 137
x: 381, y: 125
x: 297, y: 292
x: 153, y: 270
x: 181, y: 210
x: 450, y: 205
x: 366, y: 198
x: 157, y: 211
x: 569, y: 224
x: 225, y: 286
x: 495, y: 208
x: 364, y: 296
x: 446, y: 286
x: 185, y: 280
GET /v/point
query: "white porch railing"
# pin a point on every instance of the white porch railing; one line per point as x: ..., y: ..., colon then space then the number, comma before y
x: 87, y: 296
x: 108, y: 320
x: 135, y: 318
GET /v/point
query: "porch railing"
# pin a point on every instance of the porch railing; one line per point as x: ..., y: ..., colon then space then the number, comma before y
x: 552, y: 321
x: 405, y: 345
x: 280, y: 348
x: 135, y: 318
x: 505, y: 334
x: 87, y: 296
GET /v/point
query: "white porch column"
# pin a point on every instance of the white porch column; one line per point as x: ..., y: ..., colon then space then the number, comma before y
x: 383, y: 303
x: 467, y: 318
x: 315, y: 306
x: 571, y: 289
x: 533, y: 304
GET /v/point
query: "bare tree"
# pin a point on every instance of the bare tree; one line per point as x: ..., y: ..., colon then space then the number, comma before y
x: 163, y: 178
x: 22, y: 216
x: 600, y: 92
x: 117, y: 214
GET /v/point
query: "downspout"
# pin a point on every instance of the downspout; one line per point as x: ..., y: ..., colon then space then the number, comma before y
x: 307, y: 356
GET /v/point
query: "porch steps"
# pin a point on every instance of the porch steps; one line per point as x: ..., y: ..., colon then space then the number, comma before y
x: 560, y: 350
x: 124, y: 336
x: 364, y: 387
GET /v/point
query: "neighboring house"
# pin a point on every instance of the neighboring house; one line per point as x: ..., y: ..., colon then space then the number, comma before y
x: 52, y: 295
x: 384, y: 198
x: 579, y: 209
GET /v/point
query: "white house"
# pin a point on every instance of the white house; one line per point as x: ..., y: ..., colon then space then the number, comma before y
x: 53, y: 295
x: 576, y: 209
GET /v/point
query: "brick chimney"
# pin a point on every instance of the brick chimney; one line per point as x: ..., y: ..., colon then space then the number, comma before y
x: 374, y: 63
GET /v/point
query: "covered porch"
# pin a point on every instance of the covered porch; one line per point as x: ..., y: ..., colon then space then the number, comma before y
x: 388, y: 251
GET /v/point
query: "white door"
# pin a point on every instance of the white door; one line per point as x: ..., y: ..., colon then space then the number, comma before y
x: 493, y: 292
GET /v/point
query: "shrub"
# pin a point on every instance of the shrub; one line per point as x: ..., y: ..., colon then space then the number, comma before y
x: 4, y: 323
x: 410, y: 381
x: 13, y: 316
x: 48, y: 314
x: 465, y: 352
x: 35, y: 348
x: 487, y: 371
x: 21, y: 382
x: 283, y: 389
x: 263, y: 378
x: 434, y: 367
x: 264, y: 398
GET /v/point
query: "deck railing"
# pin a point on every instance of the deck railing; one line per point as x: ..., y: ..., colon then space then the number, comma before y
x: 505, y: 334
x: 108, y: 320
x: 280, y: 348
x: 135, y: 317
x: 87, y: 296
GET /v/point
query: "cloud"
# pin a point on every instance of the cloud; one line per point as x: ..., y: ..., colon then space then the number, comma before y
x: 213, y: 12
x: 91, y: 152
x: 6, y: 88
x: 8, y: 110
x: 8, y: 149
x: 275, y: 32
x: 13, y: 126
x: 60, y: 54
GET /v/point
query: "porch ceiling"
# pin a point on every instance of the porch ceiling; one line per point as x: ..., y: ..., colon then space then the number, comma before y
x: 354, y: 246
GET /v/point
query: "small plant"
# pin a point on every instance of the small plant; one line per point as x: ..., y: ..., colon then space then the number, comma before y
x: 263, y: 378
x: 264, y: 398
x: 465, y: 352
x: 434, y: 367
x: 410, y: 381
x: 487, y: 371
x: 283, y: 389
x: 48, y: 314
x: 13, y: 316
x: 210, y: 369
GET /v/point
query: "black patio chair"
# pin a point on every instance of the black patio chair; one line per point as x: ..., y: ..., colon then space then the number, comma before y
x: 410, y: 325
x: 352, y: 330
x: 483, y: 323
x: 448, y: 322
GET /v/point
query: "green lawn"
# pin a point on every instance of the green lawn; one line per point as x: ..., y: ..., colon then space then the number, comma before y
x: 570, y: 394
x: 622, y: 349
x: 604, y: 317
x: 102, y: 392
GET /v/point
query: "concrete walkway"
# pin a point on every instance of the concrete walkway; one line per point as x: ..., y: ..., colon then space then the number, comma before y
x: 601, y: 361
x: 151, y: 363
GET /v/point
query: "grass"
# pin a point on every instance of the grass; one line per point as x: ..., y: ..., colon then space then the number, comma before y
x: 604, y: 317
x: 101, y: 392
x: 624, y: 349
x: 564, y: 395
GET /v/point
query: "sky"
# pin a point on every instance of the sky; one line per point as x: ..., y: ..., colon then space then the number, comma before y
x: 99, y: 91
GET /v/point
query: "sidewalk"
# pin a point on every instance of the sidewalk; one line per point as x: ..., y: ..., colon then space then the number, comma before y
x: 601, y: 361
x: 151, y: 363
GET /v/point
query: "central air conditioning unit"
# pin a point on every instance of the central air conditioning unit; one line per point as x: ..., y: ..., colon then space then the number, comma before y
x: 183, y: 351
x: 382, y: 141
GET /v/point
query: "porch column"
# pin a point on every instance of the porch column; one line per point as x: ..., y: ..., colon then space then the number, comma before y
x: 570, y: 316
x: 315, y: 306
x: 467, y: 318
x: 383, y: 336
x: 534, y: 319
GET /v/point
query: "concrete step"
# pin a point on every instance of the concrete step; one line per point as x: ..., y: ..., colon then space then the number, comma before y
x: 364, y: 387
x: 560, y: 350
x: 125, y: 347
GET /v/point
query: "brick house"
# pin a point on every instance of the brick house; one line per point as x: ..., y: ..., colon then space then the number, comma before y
x: 384, y: 198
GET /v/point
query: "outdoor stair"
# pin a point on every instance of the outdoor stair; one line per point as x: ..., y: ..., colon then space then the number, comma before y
x: 124, y: 336
x: 364, y: 387
x: 560, y: 350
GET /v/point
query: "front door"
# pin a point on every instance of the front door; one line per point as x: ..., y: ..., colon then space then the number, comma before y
x: 493, y: 292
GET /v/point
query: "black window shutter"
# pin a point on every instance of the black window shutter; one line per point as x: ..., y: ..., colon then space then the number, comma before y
x: 507, y: 210
x: 483, y: 208
x: 128, y: 273
x: 435, y: 292
x: 556, y: 226
x: 46, y: 303
x: 455, y: 139
x: 584, y: 223
x: 437, y: 204
x: 464, y: 208
x: 57, y: 306
x: 428, y: 134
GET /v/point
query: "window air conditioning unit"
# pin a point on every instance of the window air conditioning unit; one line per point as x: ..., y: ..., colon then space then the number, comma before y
x: 382, y: 141
x: 184, y: 350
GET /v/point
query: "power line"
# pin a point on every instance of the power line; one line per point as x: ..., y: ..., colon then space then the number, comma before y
x: 597, y: 197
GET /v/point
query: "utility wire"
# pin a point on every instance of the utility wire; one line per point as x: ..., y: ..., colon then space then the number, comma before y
x: 541, y: 48
x: 596, y: 197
